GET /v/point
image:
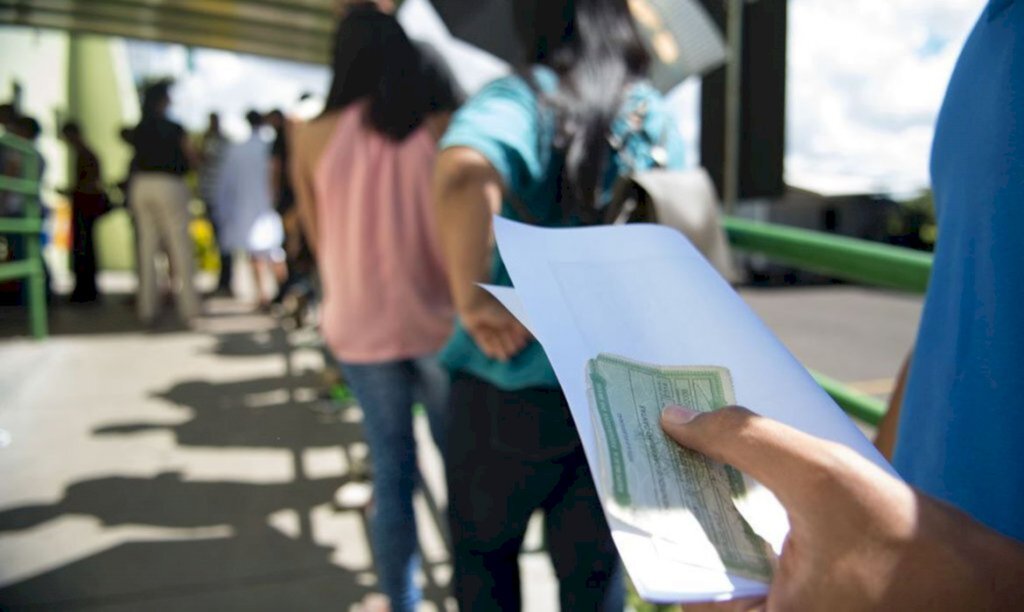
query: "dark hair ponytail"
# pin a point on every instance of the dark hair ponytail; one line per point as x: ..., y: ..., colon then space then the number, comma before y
x: 596, y: 50
x: 375, y: 61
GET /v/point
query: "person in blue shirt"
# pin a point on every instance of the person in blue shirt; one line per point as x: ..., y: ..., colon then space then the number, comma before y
x: 961, y: 426
x: 535, y: 147
x: 952, y: 536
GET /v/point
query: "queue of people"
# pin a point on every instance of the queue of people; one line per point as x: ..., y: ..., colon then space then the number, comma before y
x: 535, y: 147
x: 244, y: 186
x: 243, y: 206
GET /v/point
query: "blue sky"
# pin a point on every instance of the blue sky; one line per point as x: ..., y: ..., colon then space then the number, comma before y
x: 866, y: 78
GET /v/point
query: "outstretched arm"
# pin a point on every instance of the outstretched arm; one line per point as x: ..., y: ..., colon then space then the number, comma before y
x: 467, y: 191
x: 300, y: 177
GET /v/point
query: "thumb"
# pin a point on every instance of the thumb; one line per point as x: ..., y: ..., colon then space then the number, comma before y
x: 787, y: 461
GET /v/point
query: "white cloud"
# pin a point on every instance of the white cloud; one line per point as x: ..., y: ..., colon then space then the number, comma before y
x: 866, y: 80
x: 226, y: 83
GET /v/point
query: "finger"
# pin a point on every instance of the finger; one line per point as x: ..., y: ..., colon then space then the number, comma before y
x: 506, y: 341
x: 497, y: 348
x: 490, y: 347
x: 524, y: 334
x: 789, y: 462
x: 516, y: 339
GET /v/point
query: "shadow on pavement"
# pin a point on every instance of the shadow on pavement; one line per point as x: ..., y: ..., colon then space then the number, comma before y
x: 251, y: 565
x: 245, y: 344
x: 255, y: 413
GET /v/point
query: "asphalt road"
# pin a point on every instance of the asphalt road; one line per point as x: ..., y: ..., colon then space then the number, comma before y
x: 857, y: 335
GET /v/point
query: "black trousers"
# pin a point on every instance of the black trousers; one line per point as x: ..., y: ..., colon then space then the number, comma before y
x: 83, y: 247
x: 511, y: 453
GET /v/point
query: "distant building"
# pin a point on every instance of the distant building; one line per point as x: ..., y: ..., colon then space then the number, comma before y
x: 865, y: 216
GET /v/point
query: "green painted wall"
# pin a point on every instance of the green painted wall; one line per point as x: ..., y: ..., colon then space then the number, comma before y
x: 103, y: 99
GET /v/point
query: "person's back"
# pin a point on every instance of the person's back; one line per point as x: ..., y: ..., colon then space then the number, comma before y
x: 159, y: 196
x: 542, y: 146
x: 362, y: 174
x: 385, y: 290
x: 158, y: 146
x: 508, y: 123
x: 242, y: 191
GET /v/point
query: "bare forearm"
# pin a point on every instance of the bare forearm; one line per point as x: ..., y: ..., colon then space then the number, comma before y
x: 276, y: 171
x: 464, y: 193
x: 888, y: 428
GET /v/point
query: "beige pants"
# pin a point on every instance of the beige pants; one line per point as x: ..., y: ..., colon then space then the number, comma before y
x: 160, y: 204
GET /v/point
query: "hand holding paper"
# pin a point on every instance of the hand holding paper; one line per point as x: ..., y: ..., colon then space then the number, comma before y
x: 651, y: 484
x: 645, y: 293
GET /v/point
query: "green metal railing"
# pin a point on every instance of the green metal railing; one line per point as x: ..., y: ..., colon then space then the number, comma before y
x: 29, y: 226
x: 840, y: 257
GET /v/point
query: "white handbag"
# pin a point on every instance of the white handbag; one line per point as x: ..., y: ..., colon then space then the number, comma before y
x: 683, y: 200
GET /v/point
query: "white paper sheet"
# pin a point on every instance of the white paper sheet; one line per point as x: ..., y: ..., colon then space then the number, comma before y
x: 644, y: 292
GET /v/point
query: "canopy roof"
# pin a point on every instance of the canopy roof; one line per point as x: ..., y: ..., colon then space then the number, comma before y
x: 287, y: 29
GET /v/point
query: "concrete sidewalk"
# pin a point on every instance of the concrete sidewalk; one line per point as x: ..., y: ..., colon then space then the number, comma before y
x: 189, y: 470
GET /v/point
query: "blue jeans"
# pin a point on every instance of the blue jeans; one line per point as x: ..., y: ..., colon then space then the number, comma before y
x: 387, y: 391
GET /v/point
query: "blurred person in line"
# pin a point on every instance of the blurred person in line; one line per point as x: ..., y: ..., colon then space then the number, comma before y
x: 159, y: 201
x: 362, y: 174
x: 88, y: 203
x: 297, y: 256
x: 245, y: 208
x: 8, y: 113
x: 432, y: 62
x: 535, y: 147
x: 211, y: 153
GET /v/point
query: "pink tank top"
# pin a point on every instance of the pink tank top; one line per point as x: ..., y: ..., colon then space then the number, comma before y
x: 385, y: 288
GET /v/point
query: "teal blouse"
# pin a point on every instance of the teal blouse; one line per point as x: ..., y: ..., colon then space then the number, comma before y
x: 505, y: 123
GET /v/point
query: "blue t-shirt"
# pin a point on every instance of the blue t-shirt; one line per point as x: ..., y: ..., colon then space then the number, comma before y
x: 505, y: 123
x: 961, y: 434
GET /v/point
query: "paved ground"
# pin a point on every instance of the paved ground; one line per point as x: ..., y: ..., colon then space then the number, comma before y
x: 173, y: 470
x: 856, y: 335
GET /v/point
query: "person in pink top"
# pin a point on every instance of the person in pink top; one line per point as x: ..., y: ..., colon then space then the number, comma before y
x: 362, y: 175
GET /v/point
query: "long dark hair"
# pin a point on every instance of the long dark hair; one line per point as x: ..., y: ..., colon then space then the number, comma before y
x: 375, y: 61
x: 596, y: 50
